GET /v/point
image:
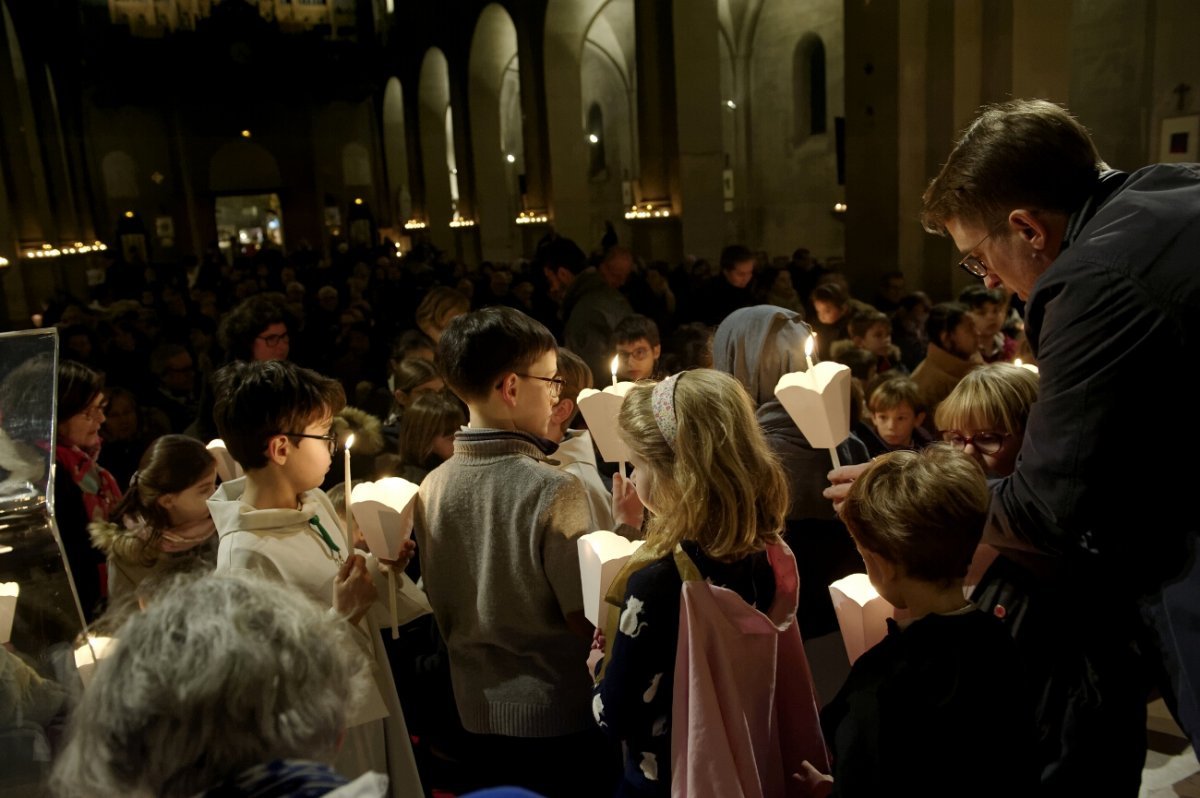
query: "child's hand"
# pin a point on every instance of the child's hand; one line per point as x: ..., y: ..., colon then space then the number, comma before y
x: 842, y: 478
x: 627, y: 507
x: 810, y: 782
x: 407, y: 549
x: 597, y: 652
x: 353, y: 590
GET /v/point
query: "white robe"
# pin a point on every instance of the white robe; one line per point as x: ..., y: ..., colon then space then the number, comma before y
x: 282, y: 545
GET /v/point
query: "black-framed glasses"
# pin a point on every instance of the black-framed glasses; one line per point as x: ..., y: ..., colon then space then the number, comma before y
x: 971, y: 264
x: 985, y: 442
x: 273, y: 340
x: 641, y: 353
x: 556, y: 384
x: 330, y: 438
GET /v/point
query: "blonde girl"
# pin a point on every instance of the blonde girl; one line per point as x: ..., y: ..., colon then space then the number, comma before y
x: 717, y: 500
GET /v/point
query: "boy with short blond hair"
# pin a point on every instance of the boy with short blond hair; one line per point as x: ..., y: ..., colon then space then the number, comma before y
x: 576, y: 454
x: 946, y: 679
x: 497, y: 525
x: 275, y: 419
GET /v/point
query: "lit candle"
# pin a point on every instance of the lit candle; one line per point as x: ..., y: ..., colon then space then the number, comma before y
x: 349, y: 518
x: 808, y: 348
x: 615, y: 361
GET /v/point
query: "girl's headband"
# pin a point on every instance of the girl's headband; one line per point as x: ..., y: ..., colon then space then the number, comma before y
x: 662, y: 402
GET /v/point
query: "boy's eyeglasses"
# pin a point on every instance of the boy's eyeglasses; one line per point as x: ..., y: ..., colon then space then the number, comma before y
x: 556, y: 384
x: 330, y: 438
x: 641, y: 353
x: 273, y: 340
x: 985, y: 442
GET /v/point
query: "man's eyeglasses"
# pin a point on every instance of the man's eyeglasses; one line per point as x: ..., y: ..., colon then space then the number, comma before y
x: 330, y: 438
x: 973, y: 265
x: 273, y: 340
x: 641, y: 353
x: 556, y: 384
x: 985, y: 442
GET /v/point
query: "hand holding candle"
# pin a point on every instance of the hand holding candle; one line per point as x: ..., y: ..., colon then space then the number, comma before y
x: 615, y: 362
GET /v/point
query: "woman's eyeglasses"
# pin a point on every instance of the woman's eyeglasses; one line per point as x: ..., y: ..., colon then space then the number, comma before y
x: 984, y: 442
x: 273, y: 340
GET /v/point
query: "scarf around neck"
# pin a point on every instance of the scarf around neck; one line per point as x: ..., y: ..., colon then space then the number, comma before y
x: 99, y: 489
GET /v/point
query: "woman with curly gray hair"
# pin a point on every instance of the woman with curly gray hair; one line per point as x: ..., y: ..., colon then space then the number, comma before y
x: 227, y: 685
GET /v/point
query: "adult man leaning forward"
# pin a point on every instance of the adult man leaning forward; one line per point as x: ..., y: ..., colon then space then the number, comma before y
x: 1100, y: 510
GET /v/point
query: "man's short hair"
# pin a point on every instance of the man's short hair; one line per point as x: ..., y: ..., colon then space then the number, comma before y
x: 923, y: 511
x: 634, y: 328
x: 978, y: 295
x: 258, y: 400
x: 892, y: 392
x: 1023, y: 153
x: 478, y: 348
x: 863, y: 321
x: 734, y: 254
x: 560, y: 253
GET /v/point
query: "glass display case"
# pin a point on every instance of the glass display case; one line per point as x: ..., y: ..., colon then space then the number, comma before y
x: 41, y: 623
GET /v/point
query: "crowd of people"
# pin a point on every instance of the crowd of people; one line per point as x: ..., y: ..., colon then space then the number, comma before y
x: 982, y: 498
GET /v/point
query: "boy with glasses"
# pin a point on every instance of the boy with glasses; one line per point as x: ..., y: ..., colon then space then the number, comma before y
x: 638, y: 348
x: 497, y: 525
x: 275, y: 419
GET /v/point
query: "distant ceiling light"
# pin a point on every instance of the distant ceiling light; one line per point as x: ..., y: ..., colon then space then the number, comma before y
x: 128, y: 214
x: 245, y: 134
x: 730, y: 104
x: 358, y: 200
x: 510, y: 158
x: 593, y: 138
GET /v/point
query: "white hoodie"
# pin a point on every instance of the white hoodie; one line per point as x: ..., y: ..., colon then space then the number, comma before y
x: 283, y: 545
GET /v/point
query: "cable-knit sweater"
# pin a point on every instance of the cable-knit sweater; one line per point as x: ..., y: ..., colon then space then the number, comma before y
x: 496, y: 526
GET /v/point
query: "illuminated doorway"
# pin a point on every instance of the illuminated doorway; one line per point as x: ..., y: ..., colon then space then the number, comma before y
x: 249, y: 223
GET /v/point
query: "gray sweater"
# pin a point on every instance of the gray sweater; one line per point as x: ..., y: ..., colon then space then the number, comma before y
x: 496, y: 525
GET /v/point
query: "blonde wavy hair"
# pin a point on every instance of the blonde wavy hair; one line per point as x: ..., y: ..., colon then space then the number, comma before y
x: 721, y: 486
x: 998, y: 395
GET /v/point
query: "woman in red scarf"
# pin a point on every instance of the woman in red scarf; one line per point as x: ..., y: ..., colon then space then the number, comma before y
x: 83, y: 491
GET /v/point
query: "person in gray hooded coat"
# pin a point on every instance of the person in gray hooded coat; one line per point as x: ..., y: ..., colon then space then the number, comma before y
x: 758, y: 345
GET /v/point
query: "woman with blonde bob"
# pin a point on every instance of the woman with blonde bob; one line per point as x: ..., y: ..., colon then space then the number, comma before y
x: 226, y: 685
x: 717, y: 500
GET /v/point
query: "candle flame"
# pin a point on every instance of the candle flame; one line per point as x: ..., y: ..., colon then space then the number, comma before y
x: 616, y: 359
x: 808, y: 345
x: 350, y: 440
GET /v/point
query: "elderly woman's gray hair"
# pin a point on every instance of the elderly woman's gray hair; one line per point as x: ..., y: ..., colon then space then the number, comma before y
x: 219, y: 674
